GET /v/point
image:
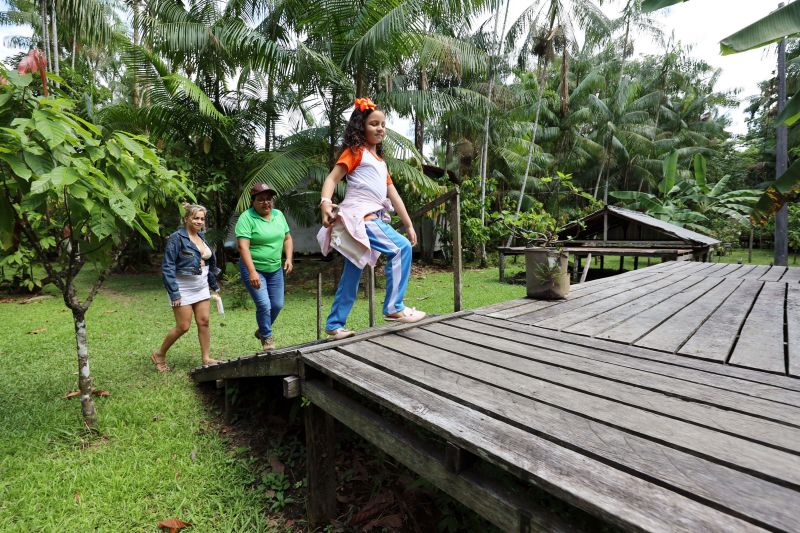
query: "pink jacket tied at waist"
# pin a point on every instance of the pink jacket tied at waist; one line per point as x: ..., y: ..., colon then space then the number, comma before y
x: 348, y: 233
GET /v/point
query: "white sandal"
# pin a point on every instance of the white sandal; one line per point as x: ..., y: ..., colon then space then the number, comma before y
x: 409, y: 316
x: 339, y: 334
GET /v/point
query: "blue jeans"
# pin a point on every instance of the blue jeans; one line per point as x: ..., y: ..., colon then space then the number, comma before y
x: 268, y: 298
x: 397, y: 249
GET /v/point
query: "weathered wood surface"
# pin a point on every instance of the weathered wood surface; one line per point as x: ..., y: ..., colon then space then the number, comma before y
x: 729, y: 313
x: 557, y: 450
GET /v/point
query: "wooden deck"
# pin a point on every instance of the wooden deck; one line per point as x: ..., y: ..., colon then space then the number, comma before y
x: 656, y: 400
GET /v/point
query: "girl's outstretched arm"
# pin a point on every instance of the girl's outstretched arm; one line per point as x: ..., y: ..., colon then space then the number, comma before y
x: 400, y: 209
x: 328, y: 187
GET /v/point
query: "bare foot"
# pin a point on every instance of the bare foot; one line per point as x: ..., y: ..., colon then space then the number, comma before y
x: 160, y: 361
x: 210, y: 361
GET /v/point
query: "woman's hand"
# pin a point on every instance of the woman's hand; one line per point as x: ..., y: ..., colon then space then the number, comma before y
x: 288, y: 266
x: 412, y: 235
x: 176, y: 303
x: 255, y: 279
x: 328, y: 213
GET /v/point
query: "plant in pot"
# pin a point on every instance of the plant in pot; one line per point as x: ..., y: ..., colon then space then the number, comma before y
x: 546, y: 275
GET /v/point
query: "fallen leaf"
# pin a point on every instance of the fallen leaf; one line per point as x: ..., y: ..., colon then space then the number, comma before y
x: 375, y: 506
x: 101, y: 392
x: 173, y: 524
x: 72, y: 394
x: 269, y: 493
x: 37, y: 331
x: 156, y: 418
x: 109, y: 311
x: 177, y: 475
x: 277, y: 466
x: 193, y: 455
x: 77, y: 497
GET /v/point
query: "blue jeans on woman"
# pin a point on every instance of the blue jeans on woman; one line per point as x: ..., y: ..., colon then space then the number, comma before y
x: 268, y: 298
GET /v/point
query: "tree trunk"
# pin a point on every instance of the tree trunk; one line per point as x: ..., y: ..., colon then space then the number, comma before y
x: 485, y: 148
x: 84, y: 376
x: 332, y: 131
x: 45, y: 31
x: 56, y: 68
x: 270, y: 109
x: 564, y: 82
x: 136, y: 98
x: 419, y: 116
x: 781, y: 239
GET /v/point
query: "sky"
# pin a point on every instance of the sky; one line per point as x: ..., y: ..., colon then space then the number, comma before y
x: 699, y: 23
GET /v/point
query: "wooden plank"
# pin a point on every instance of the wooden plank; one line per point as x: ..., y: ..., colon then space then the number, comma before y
x: 689, y: 384
x: 274, y: 364
x: 503, y: 502
x: 591, y: 309
x: 728, y: 269
x: 740, y: 272
x: 320, y: 466
x: 515, y: 375
x: 637, y: 327
x: 760, y: 343
x: 713, y: 270
x: 749, y: 382
x: 605, y: 491
x: 716, y: 337
x: 500, y: 306
x: 756, y: 272
x: 581, y: 291
x: 565, y: 306
x: 793, y: 328
x: 759, y: 499
x: 774, y: 273
x: 636, y: 389
x: 618, y: 315
x: 792, y: 275
x: 671, y: 335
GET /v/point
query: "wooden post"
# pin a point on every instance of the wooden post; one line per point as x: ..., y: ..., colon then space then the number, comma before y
x: 621, y: 262
x: 636, y: 262
x: 586, y: 268
x: 320, y: 464
x: 371, y: 293
x: 501, y: 266
x: 602, y: 262
x: 456, y: 230
x: 319, y: 305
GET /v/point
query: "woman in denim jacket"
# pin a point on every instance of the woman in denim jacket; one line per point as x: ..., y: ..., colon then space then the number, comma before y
x: 189, y: 272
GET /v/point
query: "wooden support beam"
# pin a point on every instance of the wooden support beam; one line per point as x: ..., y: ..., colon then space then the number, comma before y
x: 500, y: 499
x: 291, y: 387
x: 501, y: 265
x: 586, y: 268
x: 455, y: 227
x: 320, y: 463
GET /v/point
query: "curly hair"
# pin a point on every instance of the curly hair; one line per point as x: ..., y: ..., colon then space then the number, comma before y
x: 354, y: 133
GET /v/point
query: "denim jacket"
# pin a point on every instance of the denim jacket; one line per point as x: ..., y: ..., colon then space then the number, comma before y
x: 181, y: 256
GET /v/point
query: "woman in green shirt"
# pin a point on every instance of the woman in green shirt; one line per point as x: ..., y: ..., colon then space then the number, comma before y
x: 261, y: 234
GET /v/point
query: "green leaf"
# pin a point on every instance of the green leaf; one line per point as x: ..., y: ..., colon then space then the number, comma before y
x: 670, y: 170
x: 790, y: 113
x: 40, y: 164
x: 101, y: 223
x: 53, y: 132
x: 775, y: 196
x: 17, y: 166
x: 783, y: 22
x: 700, y: 169
x: 62, y: 176
x: 129, y: 144
x: 122, y: 206
x: 4, y: 98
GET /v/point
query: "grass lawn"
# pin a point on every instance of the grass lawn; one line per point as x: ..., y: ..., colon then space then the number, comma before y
x: 760, y: 257
x: 159, y: 452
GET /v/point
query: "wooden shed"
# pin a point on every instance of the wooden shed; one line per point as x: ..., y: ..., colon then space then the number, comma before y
x: 619, y: 231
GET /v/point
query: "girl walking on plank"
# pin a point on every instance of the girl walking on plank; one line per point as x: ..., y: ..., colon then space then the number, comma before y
x: 358, y: 227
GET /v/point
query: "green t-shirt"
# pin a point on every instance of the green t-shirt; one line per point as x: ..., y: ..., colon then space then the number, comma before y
x: 265, y: 236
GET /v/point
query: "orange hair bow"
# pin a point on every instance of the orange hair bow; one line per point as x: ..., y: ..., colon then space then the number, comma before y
x: 365, y: 103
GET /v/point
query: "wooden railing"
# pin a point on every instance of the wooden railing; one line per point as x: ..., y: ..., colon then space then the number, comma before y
x: 454, y: 197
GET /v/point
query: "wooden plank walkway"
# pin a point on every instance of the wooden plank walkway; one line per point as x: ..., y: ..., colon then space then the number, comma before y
x: 663, y: 399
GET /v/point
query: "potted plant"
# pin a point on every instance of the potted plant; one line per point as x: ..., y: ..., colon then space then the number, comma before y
x: 546, y: 275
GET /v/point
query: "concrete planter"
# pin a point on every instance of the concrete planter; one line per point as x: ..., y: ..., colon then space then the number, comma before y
x: 546, y: 275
